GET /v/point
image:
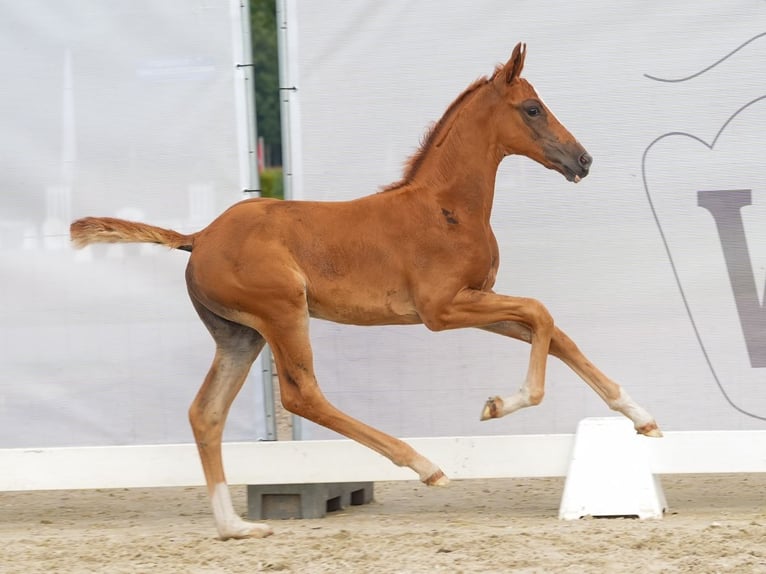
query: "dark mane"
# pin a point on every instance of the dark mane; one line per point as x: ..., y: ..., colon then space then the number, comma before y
x: 414, y: 162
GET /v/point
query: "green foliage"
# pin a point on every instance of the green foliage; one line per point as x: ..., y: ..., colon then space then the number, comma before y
x: 263, y: 27
x: 272, y: 184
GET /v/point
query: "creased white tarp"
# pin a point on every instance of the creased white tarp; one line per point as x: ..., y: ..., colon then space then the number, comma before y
x: 124, y: 109
x: 371, y: 76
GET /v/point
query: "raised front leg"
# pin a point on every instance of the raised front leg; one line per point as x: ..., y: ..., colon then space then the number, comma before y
x: 562, y: 347
x: 471, y: 308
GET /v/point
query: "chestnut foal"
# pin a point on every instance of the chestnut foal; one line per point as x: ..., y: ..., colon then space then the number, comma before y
x: 421, y: 251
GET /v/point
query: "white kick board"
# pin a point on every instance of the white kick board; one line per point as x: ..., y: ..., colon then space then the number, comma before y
x: 302, y: 462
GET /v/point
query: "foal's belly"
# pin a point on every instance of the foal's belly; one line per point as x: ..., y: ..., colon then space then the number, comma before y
x: 363, y: 307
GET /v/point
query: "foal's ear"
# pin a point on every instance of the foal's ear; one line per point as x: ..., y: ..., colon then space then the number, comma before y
x: 512, y: 68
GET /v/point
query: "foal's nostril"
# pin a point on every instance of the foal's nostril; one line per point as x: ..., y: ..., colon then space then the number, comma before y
x: 585, y: 160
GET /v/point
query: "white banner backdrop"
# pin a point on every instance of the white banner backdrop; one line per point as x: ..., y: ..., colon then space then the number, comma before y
x: 127, y: 109
x: 652, y: 264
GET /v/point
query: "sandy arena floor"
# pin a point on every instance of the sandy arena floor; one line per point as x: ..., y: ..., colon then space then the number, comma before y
x: 715, y: 524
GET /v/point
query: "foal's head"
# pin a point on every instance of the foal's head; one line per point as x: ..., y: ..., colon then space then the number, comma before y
x: 527, y: 127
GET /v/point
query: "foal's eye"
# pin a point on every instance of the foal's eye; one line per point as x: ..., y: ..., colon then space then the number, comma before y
x: 533, y: 108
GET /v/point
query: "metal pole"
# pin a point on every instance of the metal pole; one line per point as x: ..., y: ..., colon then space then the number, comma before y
x: 268, y: 394
x: 253, y: 188
x: 286, y: 91
x: 247, y: 73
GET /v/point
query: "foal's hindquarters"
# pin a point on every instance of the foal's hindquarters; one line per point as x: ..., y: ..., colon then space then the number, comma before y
x: 241, y: 309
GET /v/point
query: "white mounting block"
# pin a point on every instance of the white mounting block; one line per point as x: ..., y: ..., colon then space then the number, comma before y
x: 610, y: 473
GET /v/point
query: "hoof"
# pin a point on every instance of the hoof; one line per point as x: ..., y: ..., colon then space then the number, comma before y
x: 437, y: 479
x: 247, y: 530
x: 492, y: 408
x: 650, y: 429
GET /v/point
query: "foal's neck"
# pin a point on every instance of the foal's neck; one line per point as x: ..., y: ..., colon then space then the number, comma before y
x: 460, y: 165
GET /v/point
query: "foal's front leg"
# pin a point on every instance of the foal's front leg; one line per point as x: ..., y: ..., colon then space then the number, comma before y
x: 564, y: 348
x: 472, y: 308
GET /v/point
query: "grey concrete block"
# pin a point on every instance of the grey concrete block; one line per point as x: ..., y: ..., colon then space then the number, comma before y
x: 279, y: 501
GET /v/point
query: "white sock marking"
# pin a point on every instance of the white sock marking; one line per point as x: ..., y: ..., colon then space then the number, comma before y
x: 228, y: 522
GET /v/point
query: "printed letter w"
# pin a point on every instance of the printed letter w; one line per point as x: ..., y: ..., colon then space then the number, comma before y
x: 724, y: 206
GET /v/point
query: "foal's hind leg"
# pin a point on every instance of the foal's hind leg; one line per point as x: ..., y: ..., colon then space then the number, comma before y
x: 289, y: 340
x: 565, y: 349
x: 237, y: 347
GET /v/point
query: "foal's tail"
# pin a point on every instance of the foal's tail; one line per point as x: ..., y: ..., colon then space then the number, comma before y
x: 110, y: 230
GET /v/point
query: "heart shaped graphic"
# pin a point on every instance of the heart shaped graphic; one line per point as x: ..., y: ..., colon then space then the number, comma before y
x: 709, y: 203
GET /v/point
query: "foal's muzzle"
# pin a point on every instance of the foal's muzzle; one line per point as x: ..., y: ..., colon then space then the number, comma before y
x: 573, y: 164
